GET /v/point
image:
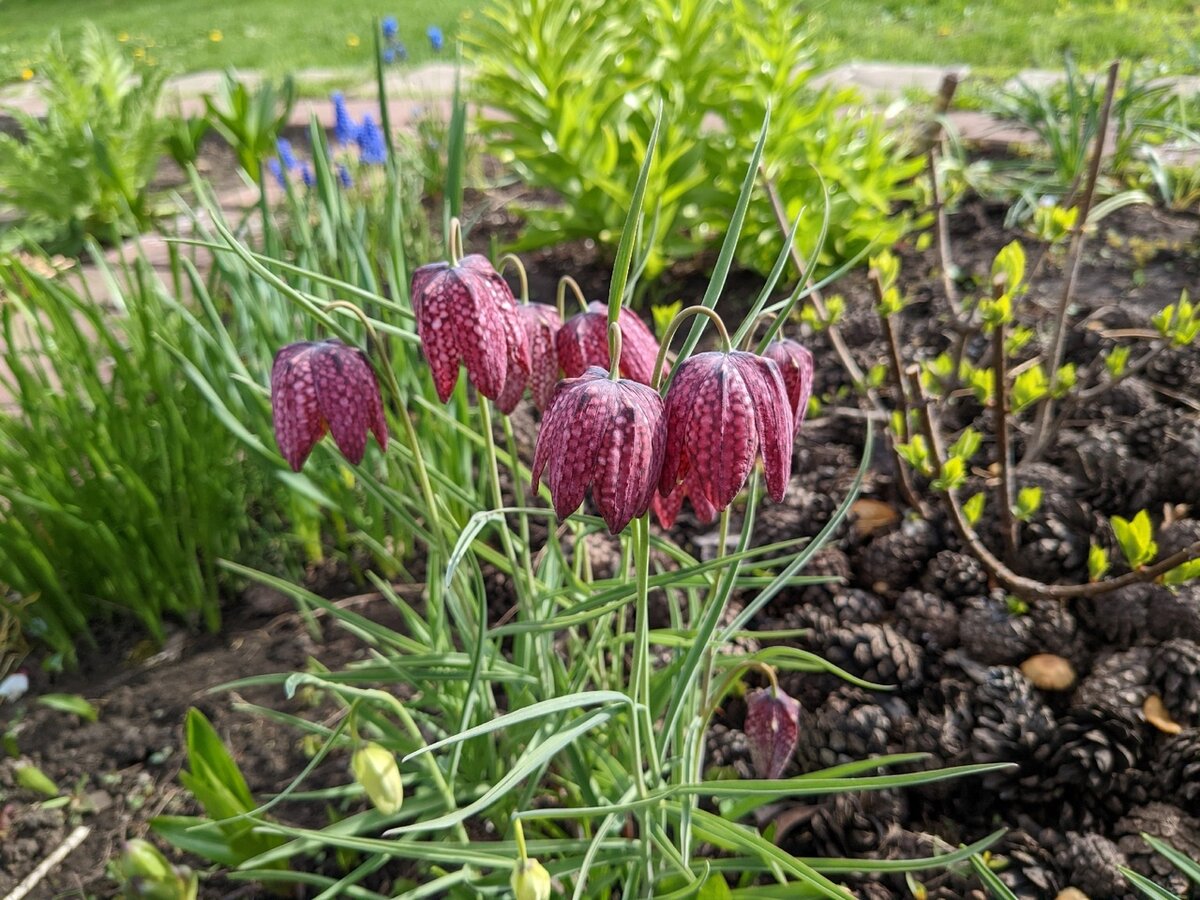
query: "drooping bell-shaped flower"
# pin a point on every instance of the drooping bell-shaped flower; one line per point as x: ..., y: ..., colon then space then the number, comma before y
x: 724, y: 411
x: 772, y: 729
x: 325, y: 386
x: 583, y: 341
x: 796, y: 365
x: 541, y: 324
x: 466, y: 313
x: 605, y: 435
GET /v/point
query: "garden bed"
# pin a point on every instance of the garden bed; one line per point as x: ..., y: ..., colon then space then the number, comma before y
x: 914, y: 611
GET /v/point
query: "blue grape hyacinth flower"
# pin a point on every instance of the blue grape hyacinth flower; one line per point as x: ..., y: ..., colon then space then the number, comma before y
x: 389, y: 55
x: 344, y: 129
x: 286, y: 156
x: 372, y: 148
x: 436, y: 39
x: 276, y: 171
x: 390, y: 27
x: 309, y: 177
x: 343, y: 175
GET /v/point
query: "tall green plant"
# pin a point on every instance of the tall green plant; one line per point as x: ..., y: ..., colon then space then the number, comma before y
x: 121, y: 490
x: 718, y: 66
x: 84, y: 168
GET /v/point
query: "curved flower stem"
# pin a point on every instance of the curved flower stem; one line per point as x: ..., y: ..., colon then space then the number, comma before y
x: 679, y: 319
x: 748, y: 342
x: 384, y: 362
x: 521, y: 273
x: 639, y: 677
x: 520, y: 586
x: 454, y: 241
x: 560, y: 298
x: 614, y: 351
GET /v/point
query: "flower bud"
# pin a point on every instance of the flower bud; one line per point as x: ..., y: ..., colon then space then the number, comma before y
x: 147, y: 874
x: 530, y: 881
x: 374, y: 767
x: 772, y: 728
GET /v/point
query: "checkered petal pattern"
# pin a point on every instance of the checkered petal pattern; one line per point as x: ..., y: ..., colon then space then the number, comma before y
x: 796, y: 365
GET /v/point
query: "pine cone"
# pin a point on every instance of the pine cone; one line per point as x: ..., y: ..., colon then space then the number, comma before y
x: 927, y: 619
x: 1176, y: 671
x: 1174, y: 614
x: 1120, y: 618
x: 1177, y: 368
x: 1125, y: 399
x: 1027, y: 868
x: 1090, y: 862
x: 804, y: 514
x: 830, y: 561
x: 1119, y: 684
x: 1175, y: 769
x: 1170, y: 825
x: 1115, y: 482
x: 876, y: 653
x: 1093, y: 751
x: 1152, y: 430
x: 845, y: 825
x: 1055, y: 630
x: 955, y: 575
x: 1055, y: 541
x: 1011, y: 725
x: 991, y: 634
x: 851, y: 726
x: 897, y: 559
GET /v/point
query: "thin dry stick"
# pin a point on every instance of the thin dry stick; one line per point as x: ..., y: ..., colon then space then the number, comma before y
x: 896, y: 371
x: 818, y: 302
x: 1037, y: 443
x: 1006, y: 577
x: 73, y: 840
x: 1008, y: 524
x: 941, y: 105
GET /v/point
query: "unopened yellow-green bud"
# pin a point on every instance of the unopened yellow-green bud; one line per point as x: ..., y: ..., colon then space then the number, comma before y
x: 374, y: 767
x: 530, y: 881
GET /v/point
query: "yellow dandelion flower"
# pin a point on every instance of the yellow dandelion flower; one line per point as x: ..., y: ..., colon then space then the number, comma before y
x: 944, y: 31
x: 139, y: 53
x: 26, y: 74
x: 352, y: 41
x: 122, y: 36
x: 216, y: 36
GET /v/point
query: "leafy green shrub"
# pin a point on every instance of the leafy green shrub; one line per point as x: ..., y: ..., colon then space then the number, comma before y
x: 84, y: 169
x: 121, y: 490
x: 250, y: 119
x: 575, y: 86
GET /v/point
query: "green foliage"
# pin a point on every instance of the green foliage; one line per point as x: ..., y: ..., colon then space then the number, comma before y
x: 1029, y: 387
x: 565, y: 129
x: 1178, y: 322
x: 1098, y: 562
x: 83, y: 170
x: 145, y: 874
x: 122, y: 490
x: 250, y: 119
x: 1029, y: 501
x: 225, y: 834
x: 1136, y: 539
x: 183, y: 137
x: 973, y: 508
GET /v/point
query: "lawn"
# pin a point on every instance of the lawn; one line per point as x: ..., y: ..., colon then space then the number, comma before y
x: 995, y: 36
x: 1003, y: 36
x: 273, y: 35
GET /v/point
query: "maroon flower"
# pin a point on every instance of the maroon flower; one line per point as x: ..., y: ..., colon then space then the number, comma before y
x: 324, y: 386
x: 796, y: 365
x: 466, y: 313
x: 541, y: 324
x: 583, y: 341
x: 724, y: 410
x: 607, y: 435
x: 772, y: 728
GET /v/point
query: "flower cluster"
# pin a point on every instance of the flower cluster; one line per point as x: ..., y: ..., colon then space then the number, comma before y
x: 365, y: 135
x: 606, y: 429
x: 393, y: 49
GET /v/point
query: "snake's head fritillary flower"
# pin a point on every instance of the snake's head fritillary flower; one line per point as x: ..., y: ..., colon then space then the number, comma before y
x: 603, y: 434
x: 325, y: 386
x: 724, y: 411
x: 772, y: 729
x: 583, y: 341
x: 466, y: 313
x: 796, y: 365
x: 541, y: 324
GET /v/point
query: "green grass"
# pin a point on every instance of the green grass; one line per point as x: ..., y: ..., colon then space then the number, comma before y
x: 273, y: 35
x: 1003, y: 36
x: 995, y: 37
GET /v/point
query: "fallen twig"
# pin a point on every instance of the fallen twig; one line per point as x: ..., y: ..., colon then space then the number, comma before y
x: 34, y: 878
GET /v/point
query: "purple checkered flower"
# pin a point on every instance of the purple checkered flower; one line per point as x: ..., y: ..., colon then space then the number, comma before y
x: 466, y: 314
x: 772, y: 729
x: 325, y: 386
x: 583, y: 342
x: 796, y: 365
x: 724, y: 411
x: 541, y: 324
x: 605, y: 435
